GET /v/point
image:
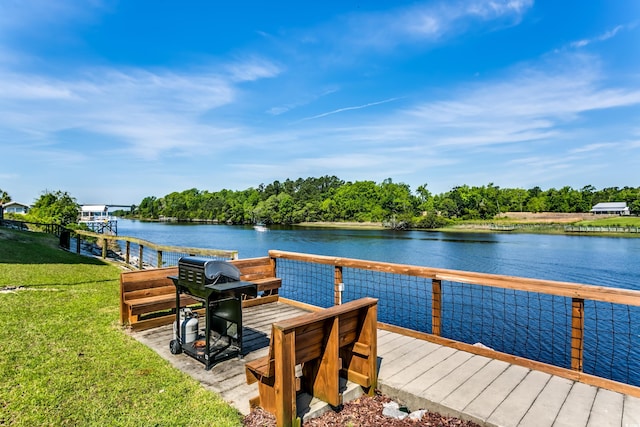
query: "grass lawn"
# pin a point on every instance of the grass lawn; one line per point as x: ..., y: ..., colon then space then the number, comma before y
x: 65, y: 361
x: 616, y: 221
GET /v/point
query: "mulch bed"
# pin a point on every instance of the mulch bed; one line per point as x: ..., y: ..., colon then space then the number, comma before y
x: 363, y: 412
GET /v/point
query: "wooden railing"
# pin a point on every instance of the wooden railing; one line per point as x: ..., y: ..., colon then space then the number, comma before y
x: 148, y: 254
x: 55, y: 229
x: 601, y: 229
x: 577, y: 294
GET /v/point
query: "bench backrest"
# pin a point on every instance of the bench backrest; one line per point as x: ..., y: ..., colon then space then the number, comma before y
x: 356, y: 325
x: 311, y: 330
x: 255, y: 268
x: 136, y: 284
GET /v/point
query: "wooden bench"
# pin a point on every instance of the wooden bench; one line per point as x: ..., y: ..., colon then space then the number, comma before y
x: 144, y: 294
x: 148, y: 291
x: 262, y: 272
x: 333, y: 342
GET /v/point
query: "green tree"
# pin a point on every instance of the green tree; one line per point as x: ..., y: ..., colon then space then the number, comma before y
x: 4, y: 197
x: 56, y: 208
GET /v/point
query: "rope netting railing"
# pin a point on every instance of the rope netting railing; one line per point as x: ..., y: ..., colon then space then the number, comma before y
x: 138, y: 253
x: 582, y: 328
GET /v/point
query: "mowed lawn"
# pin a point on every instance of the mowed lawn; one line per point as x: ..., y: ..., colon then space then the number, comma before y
x: 65, y: 361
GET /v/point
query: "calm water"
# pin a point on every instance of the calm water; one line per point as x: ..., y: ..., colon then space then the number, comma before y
x: 603, y: 261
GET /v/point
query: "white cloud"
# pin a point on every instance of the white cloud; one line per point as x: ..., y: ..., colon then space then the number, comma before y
x: 429, y: 22
x: 594, y: 147
x: 147, y: 113
x: 252, y: 69
x: 533, y: 103
x: 602, y: 37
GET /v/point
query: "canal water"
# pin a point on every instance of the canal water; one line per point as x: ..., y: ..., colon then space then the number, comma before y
x: 597, y: 260
x: 528, y: 325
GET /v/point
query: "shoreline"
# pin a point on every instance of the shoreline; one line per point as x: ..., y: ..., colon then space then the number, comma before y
x: 343, y: 225
x: 538, y: 225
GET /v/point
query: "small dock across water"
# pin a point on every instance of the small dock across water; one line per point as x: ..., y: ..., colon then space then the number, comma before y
x: 424, y: 375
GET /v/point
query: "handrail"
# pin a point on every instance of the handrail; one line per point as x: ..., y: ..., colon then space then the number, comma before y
x: 232, y: 254
x: 49, y: 228
x: 550, y: 287
x: 159, y: 249
x: 576, y: 311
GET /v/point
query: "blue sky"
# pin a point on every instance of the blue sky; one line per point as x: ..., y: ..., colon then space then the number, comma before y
x: 113, y: 101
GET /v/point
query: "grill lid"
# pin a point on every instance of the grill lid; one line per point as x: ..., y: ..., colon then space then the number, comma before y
x: 203, y: 271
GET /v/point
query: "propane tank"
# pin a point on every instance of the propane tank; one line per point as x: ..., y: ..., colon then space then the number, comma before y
x: 188, y: 326
x: 189, y: 331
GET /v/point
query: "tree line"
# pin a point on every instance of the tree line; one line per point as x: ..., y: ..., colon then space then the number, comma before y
x: 330, y: 199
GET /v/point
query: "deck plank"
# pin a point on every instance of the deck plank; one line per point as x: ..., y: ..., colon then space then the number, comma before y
x: 486, y: 402
x: 422, y: 382
x: 631, y: 411
x: 456, y: 378
x: 576, y: 408
x: 545, y: 409
x: 515, y: 406
x: 606, y: 410
x: 472, y: 387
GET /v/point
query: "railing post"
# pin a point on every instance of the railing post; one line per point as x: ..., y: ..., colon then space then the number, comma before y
x: 577, y: 333
x: 104, y: 248
x: 159, y: 265
x: 77, y: 243
x: 127, y: 252
x: 436, y: 306
x: 338, y: 285
x: 141, y: 251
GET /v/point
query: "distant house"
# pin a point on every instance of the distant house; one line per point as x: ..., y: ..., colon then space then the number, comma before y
x: 15, y: 208
x: 90, y: 213
x: 611, y: 208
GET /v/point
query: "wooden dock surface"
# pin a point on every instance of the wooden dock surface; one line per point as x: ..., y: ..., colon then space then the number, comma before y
x: 424, y: 375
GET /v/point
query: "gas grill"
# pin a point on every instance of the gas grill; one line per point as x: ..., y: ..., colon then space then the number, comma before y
x: 218, y: 286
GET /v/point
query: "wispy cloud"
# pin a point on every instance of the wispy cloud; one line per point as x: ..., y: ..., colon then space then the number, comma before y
x: 430, y: 22
x: 532, y: 104
x: 253, y: 68
x: 146, y: 113
x: 602, y: 37
x: 341, y: 110
x: 594, y: 147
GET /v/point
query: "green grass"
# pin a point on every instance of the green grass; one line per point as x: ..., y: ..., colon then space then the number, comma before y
x: 617, y: 221
x: 65, y: 361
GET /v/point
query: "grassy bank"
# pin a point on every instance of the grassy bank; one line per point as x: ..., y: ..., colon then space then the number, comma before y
x: 65, y: 361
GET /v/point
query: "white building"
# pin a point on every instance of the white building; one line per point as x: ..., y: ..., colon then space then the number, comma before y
x: 611, y: 208
x: 89, y: 213
x: 15, y: 208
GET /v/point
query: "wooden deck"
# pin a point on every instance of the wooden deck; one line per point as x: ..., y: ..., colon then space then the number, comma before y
x: 423, y: 375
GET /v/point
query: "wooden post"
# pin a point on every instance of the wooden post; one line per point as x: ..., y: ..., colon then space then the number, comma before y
x: 141, y: 251
x: 104, y: 248
x: 127, y: 252
x: 338, y: 285
x: 577, y: 334
x: 274, y: 264
x: 77, y: 243
x: 159, y: 265
x: 285, y: 361
x: 436, y: 306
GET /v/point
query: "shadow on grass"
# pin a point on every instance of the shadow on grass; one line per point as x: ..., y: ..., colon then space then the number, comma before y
x: 23, y: 247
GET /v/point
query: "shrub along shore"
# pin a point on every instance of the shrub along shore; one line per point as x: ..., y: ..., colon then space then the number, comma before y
x: 64, y: 359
